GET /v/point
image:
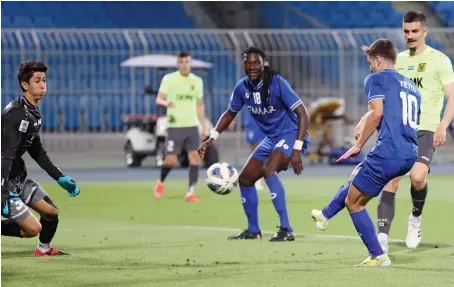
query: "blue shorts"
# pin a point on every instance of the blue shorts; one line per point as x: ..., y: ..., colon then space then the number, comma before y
x: 374, y: 173
x: 254, y: 135
x: 284, y: 143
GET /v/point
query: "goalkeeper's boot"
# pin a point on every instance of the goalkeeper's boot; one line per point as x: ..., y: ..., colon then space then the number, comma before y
x: 246, y: 235
x: 283, y: 234
x: 320, y: 221
x: 192, y: 198
x: 158, y: 189
x: 52, y: 252
x: 380, y: 261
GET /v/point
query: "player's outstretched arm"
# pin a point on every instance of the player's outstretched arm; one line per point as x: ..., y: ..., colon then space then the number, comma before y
x: 448, y: 117
x: 223, y: 123
x: 39, y: 154
x: 371, y: 120
x: 359, y: 127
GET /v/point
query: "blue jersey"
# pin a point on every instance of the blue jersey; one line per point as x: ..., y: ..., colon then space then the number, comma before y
x: 276, y: 116
x: 397, y: 131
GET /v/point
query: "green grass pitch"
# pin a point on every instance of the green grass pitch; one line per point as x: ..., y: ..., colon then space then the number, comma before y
x: 119, y: 235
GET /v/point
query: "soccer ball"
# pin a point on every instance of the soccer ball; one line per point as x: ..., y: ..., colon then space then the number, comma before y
x: 222, y: 178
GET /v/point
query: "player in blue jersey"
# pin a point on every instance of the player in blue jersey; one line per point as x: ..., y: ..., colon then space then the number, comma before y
x: 394, y: 108
x: 282, y: 116
x: 254, y: 136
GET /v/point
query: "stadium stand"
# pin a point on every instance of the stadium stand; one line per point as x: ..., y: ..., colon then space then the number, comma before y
x: 334, y: 14
x: 28, y: 14
x: 84, y: 51
x: 445, y: 9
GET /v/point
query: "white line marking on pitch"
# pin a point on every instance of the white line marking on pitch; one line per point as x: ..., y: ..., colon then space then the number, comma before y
x: 216, y: 228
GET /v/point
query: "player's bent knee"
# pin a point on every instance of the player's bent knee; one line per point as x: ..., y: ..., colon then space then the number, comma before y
x: 170, y: 160
x: 32, y: 230
x: 418, y: 181
x: 349, y: 203
x: 418, y: 175
x: 392, y: 185
x: 269, y: 172
x: 245, y: 181
x: 52, y: 215
x: 353, y: 206
x: 194, y: 158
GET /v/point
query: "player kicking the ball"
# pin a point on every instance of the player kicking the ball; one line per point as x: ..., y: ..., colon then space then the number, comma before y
x: 282, y: 116
x: 394, y: 105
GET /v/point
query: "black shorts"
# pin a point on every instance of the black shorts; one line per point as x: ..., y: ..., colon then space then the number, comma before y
x: 179, y: 138
x: 426, y: 151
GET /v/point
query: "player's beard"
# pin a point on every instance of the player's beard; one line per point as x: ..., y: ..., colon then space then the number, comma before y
x: 413, y: 48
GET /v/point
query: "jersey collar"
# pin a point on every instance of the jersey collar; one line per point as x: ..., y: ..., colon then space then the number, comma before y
x: 259, y: 85
x: 26, y: 103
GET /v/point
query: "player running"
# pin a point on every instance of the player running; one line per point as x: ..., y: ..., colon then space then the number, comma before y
x: 181, y: 92
x: 282, y: 116
x: 394, y: 105
x: 21, y: 123
x: 432, y: 73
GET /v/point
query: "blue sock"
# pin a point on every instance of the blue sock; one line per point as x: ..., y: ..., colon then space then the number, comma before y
x: 337, y: 203
x: 366, y: 230
x: 278, y: 197
x: 250, y: 201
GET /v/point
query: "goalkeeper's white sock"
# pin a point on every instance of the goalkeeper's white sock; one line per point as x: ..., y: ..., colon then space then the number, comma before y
x: 43, y: 247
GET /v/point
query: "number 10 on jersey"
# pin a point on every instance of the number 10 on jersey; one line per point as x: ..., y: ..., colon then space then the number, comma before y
x: 409, y: 109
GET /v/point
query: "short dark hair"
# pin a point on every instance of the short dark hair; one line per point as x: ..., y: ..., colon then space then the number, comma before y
x: 27, y: 69
x: 384, y: 48
x: 254, y: 49
x: 184, y: 54
x: 415, y: 16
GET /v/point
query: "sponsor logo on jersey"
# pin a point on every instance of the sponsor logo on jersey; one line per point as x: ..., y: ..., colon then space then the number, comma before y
x: 23, y: 126
x: 411, y: 68
x: 418, y: 82
x: 421, y: 67
x: 184, y: 97
x: 261, y: 110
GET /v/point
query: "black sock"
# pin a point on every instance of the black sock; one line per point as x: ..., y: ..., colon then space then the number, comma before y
x: 385, y: 211
x: 11, y: 229
x: 48, y: 229
x: 164, y: 172
x: 193, y: 174
x: 419, y: 198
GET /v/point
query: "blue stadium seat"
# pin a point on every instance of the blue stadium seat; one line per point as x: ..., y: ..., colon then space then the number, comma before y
x: 6, y: 22
x: 22, y: 22
x: 43, y: 22
x: 96, y: 14
x: 446, y: 11
x: 338, y: 14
